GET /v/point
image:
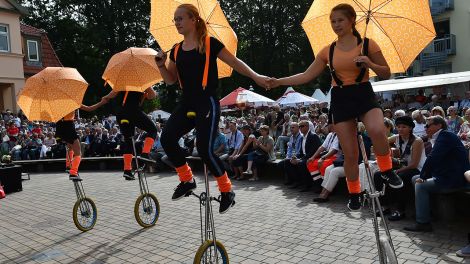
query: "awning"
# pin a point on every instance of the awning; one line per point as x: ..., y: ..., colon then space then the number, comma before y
x: 421, y: 82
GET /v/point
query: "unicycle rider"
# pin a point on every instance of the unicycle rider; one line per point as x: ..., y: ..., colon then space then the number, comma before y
x: 131, y: 115
x: 193, y: 63
x: 349, y: 59
x: 66, y: 132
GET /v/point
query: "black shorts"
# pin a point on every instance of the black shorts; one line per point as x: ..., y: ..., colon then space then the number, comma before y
x: 351, y: 101
x: 65, y: 131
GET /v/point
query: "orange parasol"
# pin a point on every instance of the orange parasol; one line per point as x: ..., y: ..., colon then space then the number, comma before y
x: 134, y: 69
x: 52, y: 93
x: 164, y: 31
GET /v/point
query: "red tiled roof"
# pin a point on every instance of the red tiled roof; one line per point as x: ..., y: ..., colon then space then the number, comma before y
x: 47, y: 54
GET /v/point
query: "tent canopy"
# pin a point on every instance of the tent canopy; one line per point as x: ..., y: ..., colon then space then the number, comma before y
x: 164, y: 115
x: 241, y: 96
x: 291, y: 98
x: 319, y: 95
x: 421, y: 82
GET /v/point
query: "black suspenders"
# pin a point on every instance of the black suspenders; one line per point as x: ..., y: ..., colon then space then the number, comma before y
x: 332, y: 69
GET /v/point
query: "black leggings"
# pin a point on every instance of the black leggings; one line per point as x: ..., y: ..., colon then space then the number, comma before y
x: 206, y: 123
x: 135, y: 118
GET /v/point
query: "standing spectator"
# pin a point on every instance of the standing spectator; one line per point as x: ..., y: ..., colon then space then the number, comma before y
x: 453, y: 120
x: 443, y: 170
x: 36, y: 129
x: 434, y: 102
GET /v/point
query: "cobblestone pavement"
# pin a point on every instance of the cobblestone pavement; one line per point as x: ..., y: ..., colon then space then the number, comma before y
x: 269, y: 224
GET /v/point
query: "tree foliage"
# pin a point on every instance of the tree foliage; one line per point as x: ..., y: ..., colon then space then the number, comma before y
x: 86, y: 33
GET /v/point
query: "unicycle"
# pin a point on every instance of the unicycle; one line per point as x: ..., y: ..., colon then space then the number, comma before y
x: 210, y: 251
x: 84, y: 210
x: 371, y: 196
x: 146, y: 208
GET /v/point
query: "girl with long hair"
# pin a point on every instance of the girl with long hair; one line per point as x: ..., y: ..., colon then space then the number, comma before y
x: 352, y: 96
x: 199, y: 106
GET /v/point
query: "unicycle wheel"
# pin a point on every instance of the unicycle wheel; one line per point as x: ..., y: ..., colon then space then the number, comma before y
x: 207, y: 254
x: 84, y: 214
x: 146, y: 210
x: 387, y: 252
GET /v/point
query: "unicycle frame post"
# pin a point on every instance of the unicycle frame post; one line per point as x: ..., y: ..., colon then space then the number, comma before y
x: 208, y: 228
x: 372, y: 195
x: 144, y: 188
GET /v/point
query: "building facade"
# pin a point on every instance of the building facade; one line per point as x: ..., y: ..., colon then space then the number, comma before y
x: 11, y: 54
x: 450, y: 50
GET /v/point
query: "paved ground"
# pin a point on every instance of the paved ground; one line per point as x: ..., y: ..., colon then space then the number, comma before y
x: 269, y: 224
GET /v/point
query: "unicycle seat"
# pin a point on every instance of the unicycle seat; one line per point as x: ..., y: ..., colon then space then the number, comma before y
x: 75, y: 178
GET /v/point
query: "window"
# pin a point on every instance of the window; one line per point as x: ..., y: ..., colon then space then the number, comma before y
x: 33, y: 50
x: 4, y: 39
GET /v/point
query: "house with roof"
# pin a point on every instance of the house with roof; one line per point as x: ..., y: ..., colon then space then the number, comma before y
x: 24, y: 51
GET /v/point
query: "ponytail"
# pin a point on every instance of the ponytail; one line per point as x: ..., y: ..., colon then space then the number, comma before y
x: 355, y: 32
x: 201, y: 30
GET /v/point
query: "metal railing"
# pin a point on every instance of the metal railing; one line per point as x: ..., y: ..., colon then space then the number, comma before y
x: 440, y: 6
x: 437, y: 53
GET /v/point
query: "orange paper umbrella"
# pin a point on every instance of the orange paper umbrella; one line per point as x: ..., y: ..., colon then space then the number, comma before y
x: 52, y: 93
x: 134, y: 69
x: 402, y: 28
x: 164, y: 31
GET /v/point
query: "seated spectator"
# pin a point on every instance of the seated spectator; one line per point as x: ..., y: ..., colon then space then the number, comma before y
x: 438, y: 111
x: 263, y: 150
x: 453, y: 120
x: 399, y: 113
x: 321, y: 128
x: 32, y: 148
x: 388, y: 114
x: 419, y: 122
x: 288, y: 164
x: 322, y: 158
x: 49, y: 141
x: 86, y: 141
x: 420, y: 97
x: 407, y: 163
x: 221, y: 146
x: 336, y: 170
x: 443, y: 170
x: 235, y: 143
x: 97, y: 145
x: 465, y: 102
x: 241, y: 157
x: 282, y: 140
x: 389, y: 126
x: 434, y: 102
x: 12, y: 131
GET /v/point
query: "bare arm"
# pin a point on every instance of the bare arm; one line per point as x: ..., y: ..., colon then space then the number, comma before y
x: 418, y: 146
x: 377, y: 63
x: 168, y: 73
x: 311, y: 73
x: 241, y: 67
x: 150, y: 93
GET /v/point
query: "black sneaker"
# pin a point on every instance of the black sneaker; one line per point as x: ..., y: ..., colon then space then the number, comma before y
x: 146, y: 157
x: 227, y: 200
x: 392, y: 179
x: 128, y: 175
x: 354, y: 203
x: 182, y: 189
x: 74, y: 177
